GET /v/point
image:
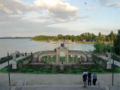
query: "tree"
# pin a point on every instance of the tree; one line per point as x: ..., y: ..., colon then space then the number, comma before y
x: 112, y: 36
x: 100, y: 38
x: 117, y: 44
x: 102, y: 48
x: 60, y: 36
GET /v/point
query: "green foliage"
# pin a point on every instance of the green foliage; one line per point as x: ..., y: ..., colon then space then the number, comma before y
x: 84, y: 37
x: 102, y: 48
x: 5, y: 59
x: 117, y: 45
x: 115, y: 57
x: 4, y: 70
x: 45, y: 38
x: 55, y: 71
x: 117, y: 70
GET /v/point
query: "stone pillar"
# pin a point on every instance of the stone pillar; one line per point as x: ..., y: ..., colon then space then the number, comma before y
x: 67, y: 58
x: 14, y: 63
x: 42, y: 59
x: 39, y: 59
x: 109, y: 65
x: 49, y: 59
x: 57, y: 58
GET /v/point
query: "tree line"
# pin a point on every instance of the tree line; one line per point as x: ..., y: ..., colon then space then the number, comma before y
x: 84, y: 37
x: 114, y: 48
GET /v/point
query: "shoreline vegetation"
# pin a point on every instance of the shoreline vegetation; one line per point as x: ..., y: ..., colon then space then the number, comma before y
x: 87, y: 38
x: 70, y: 42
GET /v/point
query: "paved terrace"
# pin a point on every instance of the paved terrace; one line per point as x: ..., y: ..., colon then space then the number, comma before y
x: 54, y: 79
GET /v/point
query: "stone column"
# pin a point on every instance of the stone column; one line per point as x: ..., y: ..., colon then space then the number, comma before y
x: 49, y: 59
x: 67, y: 57
x: 14, y: 64
x: 109, y: 65
x: 42, y: 60
x: 85, y: 58
x: 39, y: 59
x: 57, y: 59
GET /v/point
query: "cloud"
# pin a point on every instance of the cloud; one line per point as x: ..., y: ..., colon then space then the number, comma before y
x: 20, y: 18
x: 56, y: 10
x: 60, y: 11
x: 14, y: 7
x: 112, y: 3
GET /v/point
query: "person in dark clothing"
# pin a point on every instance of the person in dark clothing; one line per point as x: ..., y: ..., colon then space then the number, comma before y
x: 89, y: 79
x: 94, y: 79
x: 85, y: 78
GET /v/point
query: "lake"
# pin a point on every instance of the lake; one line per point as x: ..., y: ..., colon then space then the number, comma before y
x: 27, y: 45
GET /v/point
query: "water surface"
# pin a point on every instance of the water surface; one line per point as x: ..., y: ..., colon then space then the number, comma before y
x: 27, y: 45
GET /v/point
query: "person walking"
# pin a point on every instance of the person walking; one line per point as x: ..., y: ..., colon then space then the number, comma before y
x: 89, y: 79
x: 94, y: 79
x: 85, y: 79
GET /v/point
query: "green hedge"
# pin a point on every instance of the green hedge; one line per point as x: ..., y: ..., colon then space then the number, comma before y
x: 5, y: 59
x: 55, y: 71
x: 117, y: 58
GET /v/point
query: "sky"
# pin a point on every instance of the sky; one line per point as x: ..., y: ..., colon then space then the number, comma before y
x: 53, y: 17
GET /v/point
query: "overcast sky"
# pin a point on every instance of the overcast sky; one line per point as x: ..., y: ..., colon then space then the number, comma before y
x: 53, y: 17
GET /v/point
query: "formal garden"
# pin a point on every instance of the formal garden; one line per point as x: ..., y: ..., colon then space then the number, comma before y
x: 100, y: 48
x: 42, y: 70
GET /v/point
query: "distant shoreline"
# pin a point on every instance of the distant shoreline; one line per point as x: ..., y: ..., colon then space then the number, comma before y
x: 69, y: 42
x: 51, y: 41
x: 15, y: 37
x: 60, y: 41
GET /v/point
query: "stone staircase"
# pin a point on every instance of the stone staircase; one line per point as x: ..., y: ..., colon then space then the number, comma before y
x: 57, y: 87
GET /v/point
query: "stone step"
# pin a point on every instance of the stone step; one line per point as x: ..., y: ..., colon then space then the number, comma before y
x: 57, y: 87
x: 4, y: 88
